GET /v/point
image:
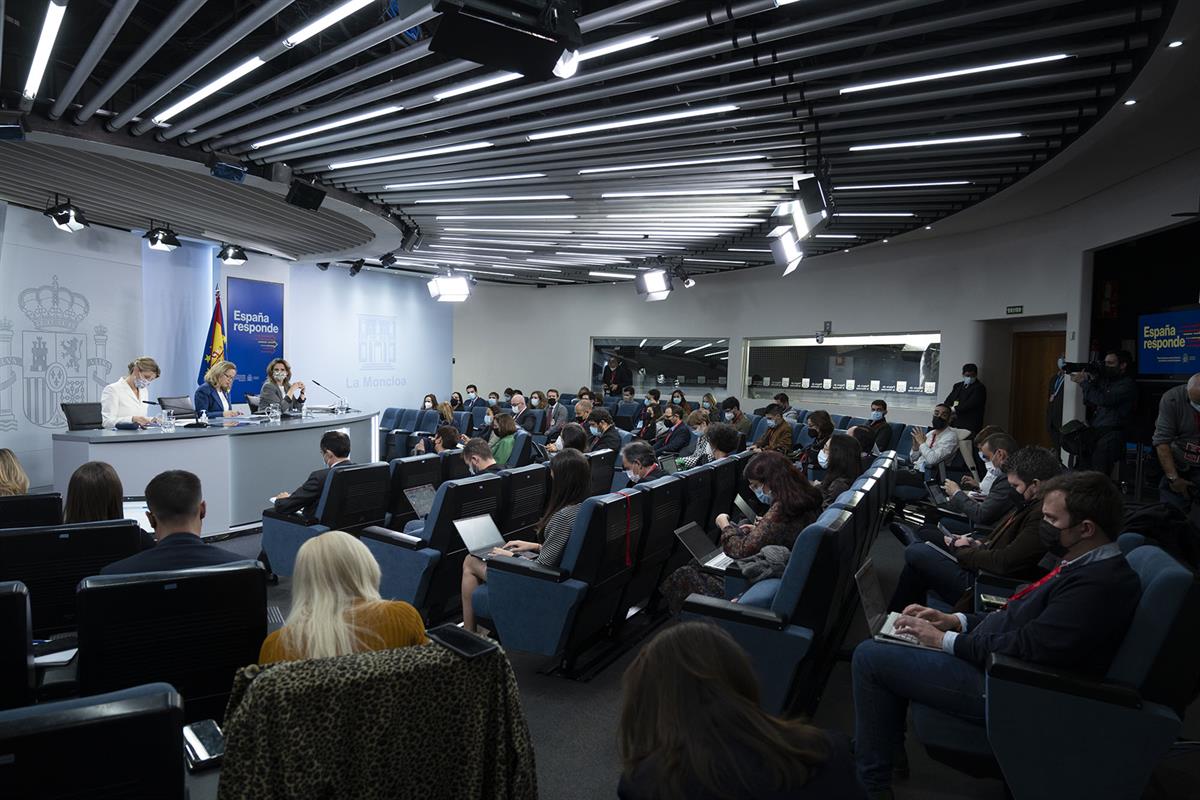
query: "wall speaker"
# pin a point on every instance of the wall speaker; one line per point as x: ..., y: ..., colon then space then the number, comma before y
x: 305, y: 195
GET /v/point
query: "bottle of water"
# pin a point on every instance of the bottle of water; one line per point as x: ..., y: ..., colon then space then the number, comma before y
x: 204, y: 418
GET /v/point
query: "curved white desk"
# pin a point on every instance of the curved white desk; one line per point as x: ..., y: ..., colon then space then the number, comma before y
x: 239, y: 467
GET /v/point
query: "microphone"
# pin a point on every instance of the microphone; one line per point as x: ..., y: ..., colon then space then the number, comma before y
x: 331, y: 391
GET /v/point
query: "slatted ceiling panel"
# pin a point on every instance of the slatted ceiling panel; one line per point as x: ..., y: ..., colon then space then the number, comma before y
x: 126, y: 194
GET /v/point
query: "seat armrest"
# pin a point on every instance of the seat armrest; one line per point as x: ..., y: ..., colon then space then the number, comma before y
x: 999, y: 581
x: 943, y: 512
x: 382, y: 534
x: 525, y: 566
x: 1015, y: 670
x: 291, y: 516
x: 717, y: 608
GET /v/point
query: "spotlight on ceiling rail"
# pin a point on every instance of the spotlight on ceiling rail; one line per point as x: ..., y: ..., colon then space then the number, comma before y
x: 66, y: 216
x: 356, y: 267
x: 232, y: 255
x: 449, y: 288
x: 161, y: 238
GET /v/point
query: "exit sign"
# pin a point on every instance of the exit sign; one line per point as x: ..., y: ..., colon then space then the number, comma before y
x: 1014, y: 310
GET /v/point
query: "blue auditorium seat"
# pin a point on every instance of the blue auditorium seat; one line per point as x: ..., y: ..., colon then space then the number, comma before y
x: 522, y: 499
x: 464, y: 422
x: 601, y: 462
x: 16, y: 652
x: 353, y: 498
x: 663, y: 506
x: 522, y: 449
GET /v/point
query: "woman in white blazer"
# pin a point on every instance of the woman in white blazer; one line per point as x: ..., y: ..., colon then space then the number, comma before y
x: 125, y: 400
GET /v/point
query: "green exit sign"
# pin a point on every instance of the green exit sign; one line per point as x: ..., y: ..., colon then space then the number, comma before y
x: 1014, y: 310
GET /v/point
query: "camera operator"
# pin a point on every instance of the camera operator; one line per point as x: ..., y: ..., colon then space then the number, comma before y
x: 1113, y: 394
x: 1177, y: 443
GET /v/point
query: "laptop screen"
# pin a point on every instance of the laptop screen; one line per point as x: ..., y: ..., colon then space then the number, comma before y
x: 871, y: 594
x: 696, y: 541
x: 421, y: 499
x: 745, y: 508
x: 479, y: 533
x: 669, y: 464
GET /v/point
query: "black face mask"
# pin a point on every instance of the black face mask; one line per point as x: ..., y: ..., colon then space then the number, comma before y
x: 553, y: 401
x: 1111, y: 372
x: 938, y: 423
x: 1050, y: 537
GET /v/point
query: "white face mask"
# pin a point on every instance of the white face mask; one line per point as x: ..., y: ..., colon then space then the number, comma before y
x: 533, y: 401
x: 630, y: 474
x: 487, y: 420
x: 141, y: 383
x: 279, y: 375
x: 428, y: 404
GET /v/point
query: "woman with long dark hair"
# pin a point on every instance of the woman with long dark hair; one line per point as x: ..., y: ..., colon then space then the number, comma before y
x: 793, y: 502
x: 94, y: 494
x: 842, y: 460
x: 570, y: 485
x: 691, y: 728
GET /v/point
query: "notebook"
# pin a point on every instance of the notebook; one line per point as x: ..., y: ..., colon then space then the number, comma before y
x: 881, y: 622
x: 701, y: 547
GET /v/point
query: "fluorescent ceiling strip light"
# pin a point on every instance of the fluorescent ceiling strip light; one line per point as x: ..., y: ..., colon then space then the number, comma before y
x: 836, y: 236
x: 245, y: 68
x: 517, y: 231
x: 486, y: 272
x: 41, y: 56
x: 321, y: 23
x: 680, y: 193
x: 717, y: 352
x: 531, y: 269
x: 713, y: 261
x: 726, y: 358
x: 593, y: 256
x: 616, y: 46
x: 487, y: 249
x: 617, y: 275
x: 452, y: 217
x: 561, y: 263
x: 899, y: 185
x: 984, y: 137
x: 719, y: 341
x: 694, y: 349
x: 669, y: 164
x: 516, y: 198
x: 495, y: 241
x: 696, y: 216
x: 631, y: 122
x: 672, y: 343
x: 955, y: 73
x: 642, y: 247
x: 746, y: 250
x: 474, y: 86
x: 379, y: 112
x: 874, y: 214
x: 411, y: 154
x: 643, y: 344
x: 392, y: 187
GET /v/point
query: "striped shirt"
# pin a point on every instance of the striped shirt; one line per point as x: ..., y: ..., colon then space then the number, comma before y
x: 556, y: 534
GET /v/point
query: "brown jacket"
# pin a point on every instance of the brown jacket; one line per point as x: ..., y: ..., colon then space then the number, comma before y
x: 778, y: 438
x: 1013, y: 548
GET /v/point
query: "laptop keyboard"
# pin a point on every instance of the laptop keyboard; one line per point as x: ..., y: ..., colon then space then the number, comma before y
x: 719, y: 562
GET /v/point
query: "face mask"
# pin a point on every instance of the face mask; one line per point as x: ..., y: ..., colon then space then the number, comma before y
x: 428, y: 404
x: 632, y: 477
x: 938, y: 423
x: 1062, y: 362
x: 487, y: 419
x: 470, y: 395
x: 876, y: 416
x: 823, y: 459
x: 1112, y: 372
x: 763, y: 496
x: 471, y: 468
x: 812, y: 432
x: 697, y: 431
x: 279, y: 375
x: 982, y: 457
x: 968, y: 380
x: 676, y: 399
x: 1051, y: 538
x: 707, y: 405
x: 553, y: 401
x: 648, y: 401
x: 729, y: 416
x: 594, y: 430
x: 533, y: 401
x: 492, y: 401
x: 770, y: 423
x: 141, y: 383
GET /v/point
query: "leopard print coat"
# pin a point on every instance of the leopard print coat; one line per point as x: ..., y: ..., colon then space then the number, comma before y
x: 417, y: 722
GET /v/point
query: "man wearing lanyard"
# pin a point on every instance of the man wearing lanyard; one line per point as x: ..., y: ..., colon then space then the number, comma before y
x: 1177, y: 443
x: 1075, y: 616
x: 1054, y: 407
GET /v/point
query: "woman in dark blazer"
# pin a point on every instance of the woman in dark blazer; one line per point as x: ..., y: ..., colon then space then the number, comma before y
x: 213, y: 394
x: 279, y: 390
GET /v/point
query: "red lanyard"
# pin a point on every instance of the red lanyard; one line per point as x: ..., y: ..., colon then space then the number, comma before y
x: 628, y: 528
x: 1034, y: 586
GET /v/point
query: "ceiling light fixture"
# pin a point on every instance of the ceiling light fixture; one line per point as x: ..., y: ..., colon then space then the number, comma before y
x: 615, y: 275
x: 714, y: 261
x: 356, y: 267
x: 1131, y: 102
x: 326, y: 20
x: 1176, y: 43
x: 836, y: 236
x: 474, y: 86
x: 873, y: 214
x: 694, y: 349
x: 519, y: 232
x: 449, y: 288
x: 41, y: 55
x: 680, y: 193
x: 630, y: 122
x: 161, y: 238
x: 615, y: 46
x: 392, y: 187
x: 643, y: 344
x: 669, y: 164
x: 465, y: 247
x: 535, y: 243
x: 232, y: 256
x: 245, y: 68
x: 922, y: 185
x: 327, y: 126
x: 516, y: 198
x: 411, y: 154
x: 746, y: 250
x: 66, y: 216
x: 454, y: 217
x: 955, y: 73
x: 672, y: 343
x: 984, y: 137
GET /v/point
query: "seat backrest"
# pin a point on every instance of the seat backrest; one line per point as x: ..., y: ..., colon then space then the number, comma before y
x: 697, y: 495
x: 663, y: 505
x: 806, y: 591
x: 1165, y: 585
x: 522, y: 449
x: 180, y: 405
x: 801, y: 415
x: 522, y: 497
x: 355, y: 496
x: 850, y: 423
x: 407, y: 473
x: 468, y: 497
x: 601, y: 464
x: 51, y: 561
x: 604, y: 538
x: 453, y: 465
x: 842, y: 423
x: 387, y: 420
x: 463, y: 422
x: 407, y: 420
x: 631, y: 409
x: 16, y: 646
x: 478, y: 413
x: 724, y: 488
x: 626, y: 438
x: 897, y: 435
x: 428, y: 420
x: 28, y: 510
x: 190, y: 628
x: 566, y: 399
x: 903, y: 444
x: 858, y: 503
x: 83, y: 416
x: 117, y: 745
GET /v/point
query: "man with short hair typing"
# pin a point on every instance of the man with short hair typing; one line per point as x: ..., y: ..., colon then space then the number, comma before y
x: 1076, y: 616
x: 477, y: 455
x: 176, y: 512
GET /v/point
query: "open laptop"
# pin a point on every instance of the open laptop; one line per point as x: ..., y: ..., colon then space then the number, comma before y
x: 421, y: 499
x: 701, y: 547
x: 744, y: 507
x: 668, y: 463
x: 479, y: 534
x: 880, y: 622
x: 936, y: 493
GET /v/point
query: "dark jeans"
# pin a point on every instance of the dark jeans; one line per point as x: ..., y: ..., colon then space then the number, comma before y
x: 926, y: 569
x: 910, y: 485
x: 1107, y: 448
x: 889, y: 676
x: 1165, y: 495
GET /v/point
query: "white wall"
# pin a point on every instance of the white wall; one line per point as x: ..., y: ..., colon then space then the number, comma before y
x: 178, y: 287
x: 921, y: 282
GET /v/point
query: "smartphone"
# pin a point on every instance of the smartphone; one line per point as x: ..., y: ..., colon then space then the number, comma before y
x: 993, y: 600
x: 203, y: 744
x: 466, y: 644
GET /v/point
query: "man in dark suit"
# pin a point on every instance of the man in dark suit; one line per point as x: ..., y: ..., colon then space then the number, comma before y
x: 640, y: 464
x: 968, y: 400
x: 523, y: 415
x: 677, y: 436
x: 176, y: 511
x: 604, y: 433
x: 472, y: 398
x: 617, y: 375
x: 335, y: 452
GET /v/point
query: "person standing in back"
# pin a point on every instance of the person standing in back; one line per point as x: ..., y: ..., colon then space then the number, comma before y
x: 335, y: 452
x: 176, y: 512
x: 968, y: 401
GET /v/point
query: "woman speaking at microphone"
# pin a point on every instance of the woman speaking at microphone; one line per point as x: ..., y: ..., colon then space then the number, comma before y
x: 279, y: 390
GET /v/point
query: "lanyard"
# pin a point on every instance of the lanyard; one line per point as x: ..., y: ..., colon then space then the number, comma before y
x: 1034, y: 586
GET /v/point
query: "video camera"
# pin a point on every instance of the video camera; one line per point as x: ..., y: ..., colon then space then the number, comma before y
x: 1091, y: 368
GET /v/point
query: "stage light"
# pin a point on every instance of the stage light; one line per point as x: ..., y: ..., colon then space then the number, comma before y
x: 232, y: 255
x: 67, y: 217
x: 161, y: 238
x: 449, y: 288
x: 655, y: 284
x: 412, y: 240
x: 387, y: 259
x: 356, y: 267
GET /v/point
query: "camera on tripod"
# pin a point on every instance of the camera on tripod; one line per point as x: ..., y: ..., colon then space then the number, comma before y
x: 1091, y: 368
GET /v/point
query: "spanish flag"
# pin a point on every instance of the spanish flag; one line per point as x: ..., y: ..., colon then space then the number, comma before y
x: 214, y: 348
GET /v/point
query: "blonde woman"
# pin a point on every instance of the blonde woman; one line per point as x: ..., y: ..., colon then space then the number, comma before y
x: 124, y: 400
x: 336, y: 607
x: 279, y: 390
x: 213, y: 394
x: 13, y: 479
